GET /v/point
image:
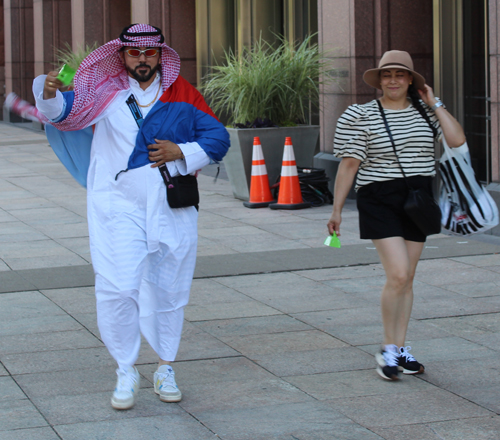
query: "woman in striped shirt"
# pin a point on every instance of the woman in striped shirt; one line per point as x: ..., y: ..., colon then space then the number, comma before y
x: 416, y: 118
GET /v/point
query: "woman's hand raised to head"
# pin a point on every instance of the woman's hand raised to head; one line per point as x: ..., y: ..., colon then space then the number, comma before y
x: 452, y: 130
x: 427, y: 95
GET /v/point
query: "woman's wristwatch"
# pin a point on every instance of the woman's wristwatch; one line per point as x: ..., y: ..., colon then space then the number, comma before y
x: 437, y: 105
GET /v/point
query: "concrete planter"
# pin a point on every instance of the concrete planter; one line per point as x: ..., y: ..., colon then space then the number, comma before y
x: 238, y: 160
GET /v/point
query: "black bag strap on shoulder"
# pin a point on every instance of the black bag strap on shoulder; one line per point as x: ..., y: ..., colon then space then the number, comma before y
x: 135, y: 110
x: 137, y: 114
x: 392, y: 139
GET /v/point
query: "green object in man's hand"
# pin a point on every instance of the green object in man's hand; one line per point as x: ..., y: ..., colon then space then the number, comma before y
x: 332, y: 241
x: 66, y: 75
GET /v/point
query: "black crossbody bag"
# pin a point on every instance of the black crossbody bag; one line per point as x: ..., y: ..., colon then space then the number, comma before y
x: 419, y: 205
x: 182, y: 191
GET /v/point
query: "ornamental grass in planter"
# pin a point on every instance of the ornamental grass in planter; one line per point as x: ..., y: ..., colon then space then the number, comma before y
x: 73, y: 58
x: 267, y: 85
x: 68, y: 61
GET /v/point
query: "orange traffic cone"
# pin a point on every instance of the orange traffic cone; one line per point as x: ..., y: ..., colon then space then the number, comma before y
x: 290, y: 196
x: 260, y: 193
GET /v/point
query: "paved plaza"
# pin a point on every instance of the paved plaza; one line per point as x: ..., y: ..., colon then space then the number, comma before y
x: 279, y: 335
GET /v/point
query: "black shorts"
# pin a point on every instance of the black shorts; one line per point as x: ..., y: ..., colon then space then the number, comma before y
x: 381, y: 213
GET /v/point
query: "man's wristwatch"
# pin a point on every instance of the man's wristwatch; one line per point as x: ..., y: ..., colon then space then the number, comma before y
x: 437, y: 105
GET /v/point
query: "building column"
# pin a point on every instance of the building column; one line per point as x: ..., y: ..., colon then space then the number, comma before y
x: 336, y: 36
x: 177, y: 20
x: 98, y: 21
x: 94, y: 21
x: 77, y: 24
x: 52, y: 31
x: 19, y: 51
x: 494, y: 54
x: 140, y: 11
x: 2, y: 58
x: 337, y: 39
x: 494, y: 61
x: 354, y: 34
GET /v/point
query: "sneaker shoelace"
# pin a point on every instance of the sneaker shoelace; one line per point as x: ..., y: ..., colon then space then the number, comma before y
x: 406, y: 354
x: 391, y: 358
x: 166, y: 380
x: 126, y: 382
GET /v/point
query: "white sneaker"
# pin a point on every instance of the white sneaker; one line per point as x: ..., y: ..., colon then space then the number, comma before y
x: 165, y: 385
x: 126, y: 389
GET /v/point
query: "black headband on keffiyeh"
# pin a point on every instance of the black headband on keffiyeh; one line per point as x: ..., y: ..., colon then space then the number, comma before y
x: 102, y: 75
x: 125, y: 33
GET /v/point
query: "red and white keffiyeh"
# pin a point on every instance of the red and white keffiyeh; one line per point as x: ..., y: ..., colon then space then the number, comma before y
x: 24, y: 109
x: 102, y: 75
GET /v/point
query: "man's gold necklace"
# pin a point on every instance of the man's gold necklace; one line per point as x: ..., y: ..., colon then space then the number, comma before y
x: 154, y: 99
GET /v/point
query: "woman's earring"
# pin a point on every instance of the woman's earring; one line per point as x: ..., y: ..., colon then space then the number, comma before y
x: 411, y: 82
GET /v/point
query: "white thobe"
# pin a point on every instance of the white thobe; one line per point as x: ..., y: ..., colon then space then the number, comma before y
x: 143, y: 251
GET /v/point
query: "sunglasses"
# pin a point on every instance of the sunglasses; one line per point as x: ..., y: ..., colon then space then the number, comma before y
x: 138, y: 52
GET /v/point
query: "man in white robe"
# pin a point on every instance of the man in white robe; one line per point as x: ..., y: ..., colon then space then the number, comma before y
x: 143, y: 251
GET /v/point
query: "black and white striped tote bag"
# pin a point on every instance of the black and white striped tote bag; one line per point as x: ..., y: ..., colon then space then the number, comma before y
x: 466, y: 206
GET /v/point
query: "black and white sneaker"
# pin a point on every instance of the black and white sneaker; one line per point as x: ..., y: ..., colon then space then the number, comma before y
x: 387, y: 361
x: 407, y: 364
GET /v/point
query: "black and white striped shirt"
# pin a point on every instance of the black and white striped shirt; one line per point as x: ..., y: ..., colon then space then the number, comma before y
x: 361, y: 134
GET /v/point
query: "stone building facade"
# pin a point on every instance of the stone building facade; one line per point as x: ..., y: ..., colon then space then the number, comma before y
x: 455, y: 45
x: 34, y: 29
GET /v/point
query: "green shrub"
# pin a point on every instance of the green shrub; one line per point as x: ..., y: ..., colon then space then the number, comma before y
x: 73, y: 58
x: 267, y: 82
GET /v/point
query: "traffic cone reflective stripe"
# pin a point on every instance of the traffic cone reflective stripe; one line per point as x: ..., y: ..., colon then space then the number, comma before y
x: 290, y: 195
x: 290, y: 164
x: 258, y: 168
x: 260, y: 193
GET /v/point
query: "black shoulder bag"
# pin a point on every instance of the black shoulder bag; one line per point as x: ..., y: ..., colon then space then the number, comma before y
x: 182, y: 191
x: 419, y: 205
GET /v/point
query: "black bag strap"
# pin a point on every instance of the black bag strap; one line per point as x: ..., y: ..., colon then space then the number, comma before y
x: 135, y: 110
x: 392, y: 140
x: 137, y: 114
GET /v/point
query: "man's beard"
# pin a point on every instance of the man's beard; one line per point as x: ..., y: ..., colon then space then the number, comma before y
x: 143, y: 77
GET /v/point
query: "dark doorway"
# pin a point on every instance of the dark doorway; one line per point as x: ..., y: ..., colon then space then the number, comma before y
x: 476, y: 86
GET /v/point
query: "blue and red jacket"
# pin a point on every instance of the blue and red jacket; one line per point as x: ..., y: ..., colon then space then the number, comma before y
x: 181, y: 115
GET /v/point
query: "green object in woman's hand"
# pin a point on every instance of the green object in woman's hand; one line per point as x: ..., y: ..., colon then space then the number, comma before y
x: 332, y: 241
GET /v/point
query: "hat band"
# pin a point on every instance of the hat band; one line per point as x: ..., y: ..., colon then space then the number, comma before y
x: 395, y: 64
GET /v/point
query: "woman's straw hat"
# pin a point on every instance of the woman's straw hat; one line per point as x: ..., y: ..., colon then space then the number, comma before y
x: 393, y: 59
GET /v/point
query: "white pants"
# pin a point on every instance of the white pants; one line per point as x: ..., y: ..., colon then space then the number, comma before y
x: 142, y: 286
